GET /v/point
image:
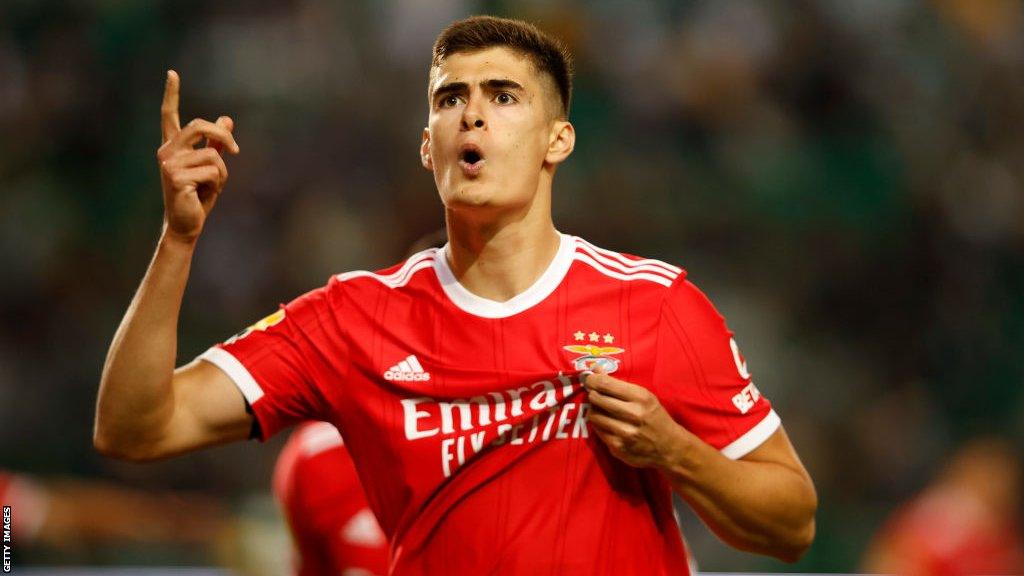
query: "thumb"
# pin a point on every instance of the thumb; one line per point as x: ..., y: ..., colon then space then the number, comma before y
x: 585, y: 376
x: 224, y: 122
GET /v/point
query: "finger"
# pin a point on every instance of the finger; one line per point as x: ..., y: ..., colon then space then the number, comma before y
x: 608, y: 426
x: 194, y: 159
x: 195, y: 130
x: 610, y: 440
x: 169, y: 121
x: 228, y: 124
x: 191, y: 178
x: 598, y: 380
x: 614, y: 407
x: 201, y: 157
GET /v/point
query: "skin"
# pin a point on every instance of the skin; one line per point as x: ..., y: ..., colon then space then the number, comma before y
x: 146, y: 409
x: 762, y: 503
x: 501, y: 240
x: 499, y: 222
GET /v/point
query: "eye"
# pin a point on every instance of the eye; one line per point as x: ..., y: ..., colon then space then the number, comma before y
x: 505, y: 98
x: 449, y: 101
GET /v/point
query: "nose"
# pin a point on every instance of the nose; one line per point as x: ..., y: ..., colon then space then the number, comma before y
x: 472, y: 117
x: 472, y: 120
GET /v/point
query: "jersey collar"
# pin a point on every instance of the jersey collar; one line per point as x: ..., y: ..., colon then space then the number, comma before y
x: 526, y: 299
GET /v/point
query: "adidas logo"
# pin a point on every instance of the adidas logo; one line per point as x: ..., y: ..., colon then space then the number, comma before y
x: 408, y: 370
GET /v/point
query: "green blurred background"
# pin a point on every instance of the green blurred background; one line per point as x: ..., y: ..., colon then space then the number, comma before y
x: 842, y: 178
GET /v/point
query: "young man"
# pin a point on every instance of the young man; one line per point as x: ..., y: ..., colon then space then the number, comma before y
x: 473, y: 384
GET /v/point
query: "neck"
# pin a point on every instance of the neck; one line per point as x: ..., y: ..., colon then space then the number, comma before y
x: 500, y: 258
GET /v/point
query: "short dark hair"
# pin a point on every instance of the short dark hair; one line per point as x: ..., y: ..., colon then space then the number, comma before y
x: 549, y: 55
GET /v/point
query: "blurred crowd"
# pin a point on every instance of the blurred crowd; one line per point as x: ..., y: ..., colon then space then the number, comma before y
x: 842, y: 178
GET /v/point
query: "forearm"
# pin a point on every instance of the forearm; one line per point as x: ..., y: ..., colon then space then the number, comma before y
x: 762, y: 507
x: 136, y: 399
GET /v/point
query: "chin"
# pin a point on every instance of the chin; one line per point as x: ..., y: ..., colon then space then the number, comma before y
x: 469, y: 195
x: 480, y: 196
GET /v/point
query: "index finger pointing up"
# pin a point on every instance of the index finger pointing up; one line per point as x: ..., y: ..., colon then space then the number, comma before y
x: 169, y: 122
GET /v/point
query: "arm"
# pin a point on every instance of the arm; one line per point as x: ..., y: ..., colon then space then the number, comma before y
x: 763, y: 503
x: 145, y: 408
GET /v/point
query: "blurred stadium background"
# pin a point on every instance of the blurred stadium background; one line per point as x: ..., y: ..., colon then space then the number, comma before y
x: 842, y: 178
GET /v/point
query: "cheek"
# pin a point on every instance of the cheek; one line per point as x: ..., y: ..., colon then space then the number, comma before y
x: 526, y: 141
x: 439, y: 136
x: 529, y: 147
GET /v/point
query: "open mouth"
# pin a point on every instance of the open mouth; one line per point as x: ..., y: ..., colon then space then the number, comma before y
x: 470, y: 154
x: 471, y: 159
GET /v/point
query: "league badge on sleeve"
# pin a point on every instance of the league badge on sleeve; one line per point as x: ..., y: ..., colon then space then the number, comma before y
x: 263, y: 324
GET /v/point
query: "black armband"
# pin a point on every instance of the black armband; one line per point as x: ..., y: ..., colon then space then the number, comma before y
x: 255, y: 433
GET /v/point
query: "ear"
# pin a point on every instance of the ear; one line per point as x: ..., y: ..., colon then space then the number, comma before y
x: 425, y: 151
x: 561, y: 142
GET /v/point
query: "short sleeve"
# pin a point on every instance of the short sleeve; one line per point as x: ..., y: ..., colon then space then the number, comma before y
x: 278, y: 362
x: 702, y: 378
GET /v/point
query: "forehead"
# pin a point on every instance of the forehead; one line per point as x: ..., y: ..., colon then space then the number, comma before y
x: 490, y: 63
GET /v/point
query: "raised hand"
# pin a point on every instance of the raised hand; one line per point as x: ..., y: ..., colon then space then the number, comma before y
x: 192, y: 178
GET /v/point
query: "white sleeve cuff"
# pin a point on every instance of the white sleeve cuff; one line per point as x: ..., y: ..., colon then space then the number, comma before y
x: 236, y: 371
x: 753, y: 438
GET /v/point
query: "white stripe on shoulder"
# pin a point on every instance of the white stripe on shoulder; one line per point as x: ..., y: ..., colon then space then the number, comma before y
x: 629, y: 261
x: 626, y: 269
x: 400, y: 277
x: 618, y: 275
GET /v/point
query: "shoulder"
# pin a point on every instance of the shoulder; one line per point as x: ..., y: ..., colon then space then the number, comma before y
x: 393, y: 277
x: 356, y: 284
x: 667, y: 283
x: 626, y: 267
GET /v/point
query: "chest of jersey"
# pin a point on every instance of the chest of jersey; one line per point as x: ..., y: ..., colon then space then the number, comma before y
x: 438, y: 386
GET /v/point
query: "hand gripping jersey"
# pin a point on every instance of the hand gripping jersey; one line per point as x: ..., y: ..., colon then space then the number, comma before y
x: 334, y: 531
x: 466, y: 418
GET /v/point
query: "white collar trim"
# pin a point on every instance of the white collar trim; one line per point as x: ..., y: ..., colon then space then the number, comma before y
x: 526, y: 299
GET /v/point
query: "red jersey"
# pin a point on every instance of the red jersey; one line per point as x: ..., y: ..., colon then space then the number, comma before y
x: 466, y: 417
x: 332, y: 526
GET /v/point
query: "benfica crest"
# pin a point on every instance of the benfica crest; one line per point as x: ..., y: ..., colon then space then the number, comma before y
x: 593, y: 355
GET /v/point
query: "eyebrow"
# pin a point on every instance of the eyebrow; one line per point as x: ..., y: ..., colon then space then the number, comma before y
x: 493, y: 84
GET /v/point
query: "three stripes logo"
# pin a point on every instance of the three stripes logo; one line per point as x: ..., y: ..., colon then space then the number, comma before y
x: 408, y: 370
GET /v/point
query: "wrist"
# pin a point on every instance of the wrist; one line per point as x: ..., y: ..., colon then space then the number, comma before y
x: 173, y: 240
x: 683, y: 456
x: 176, y: 242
